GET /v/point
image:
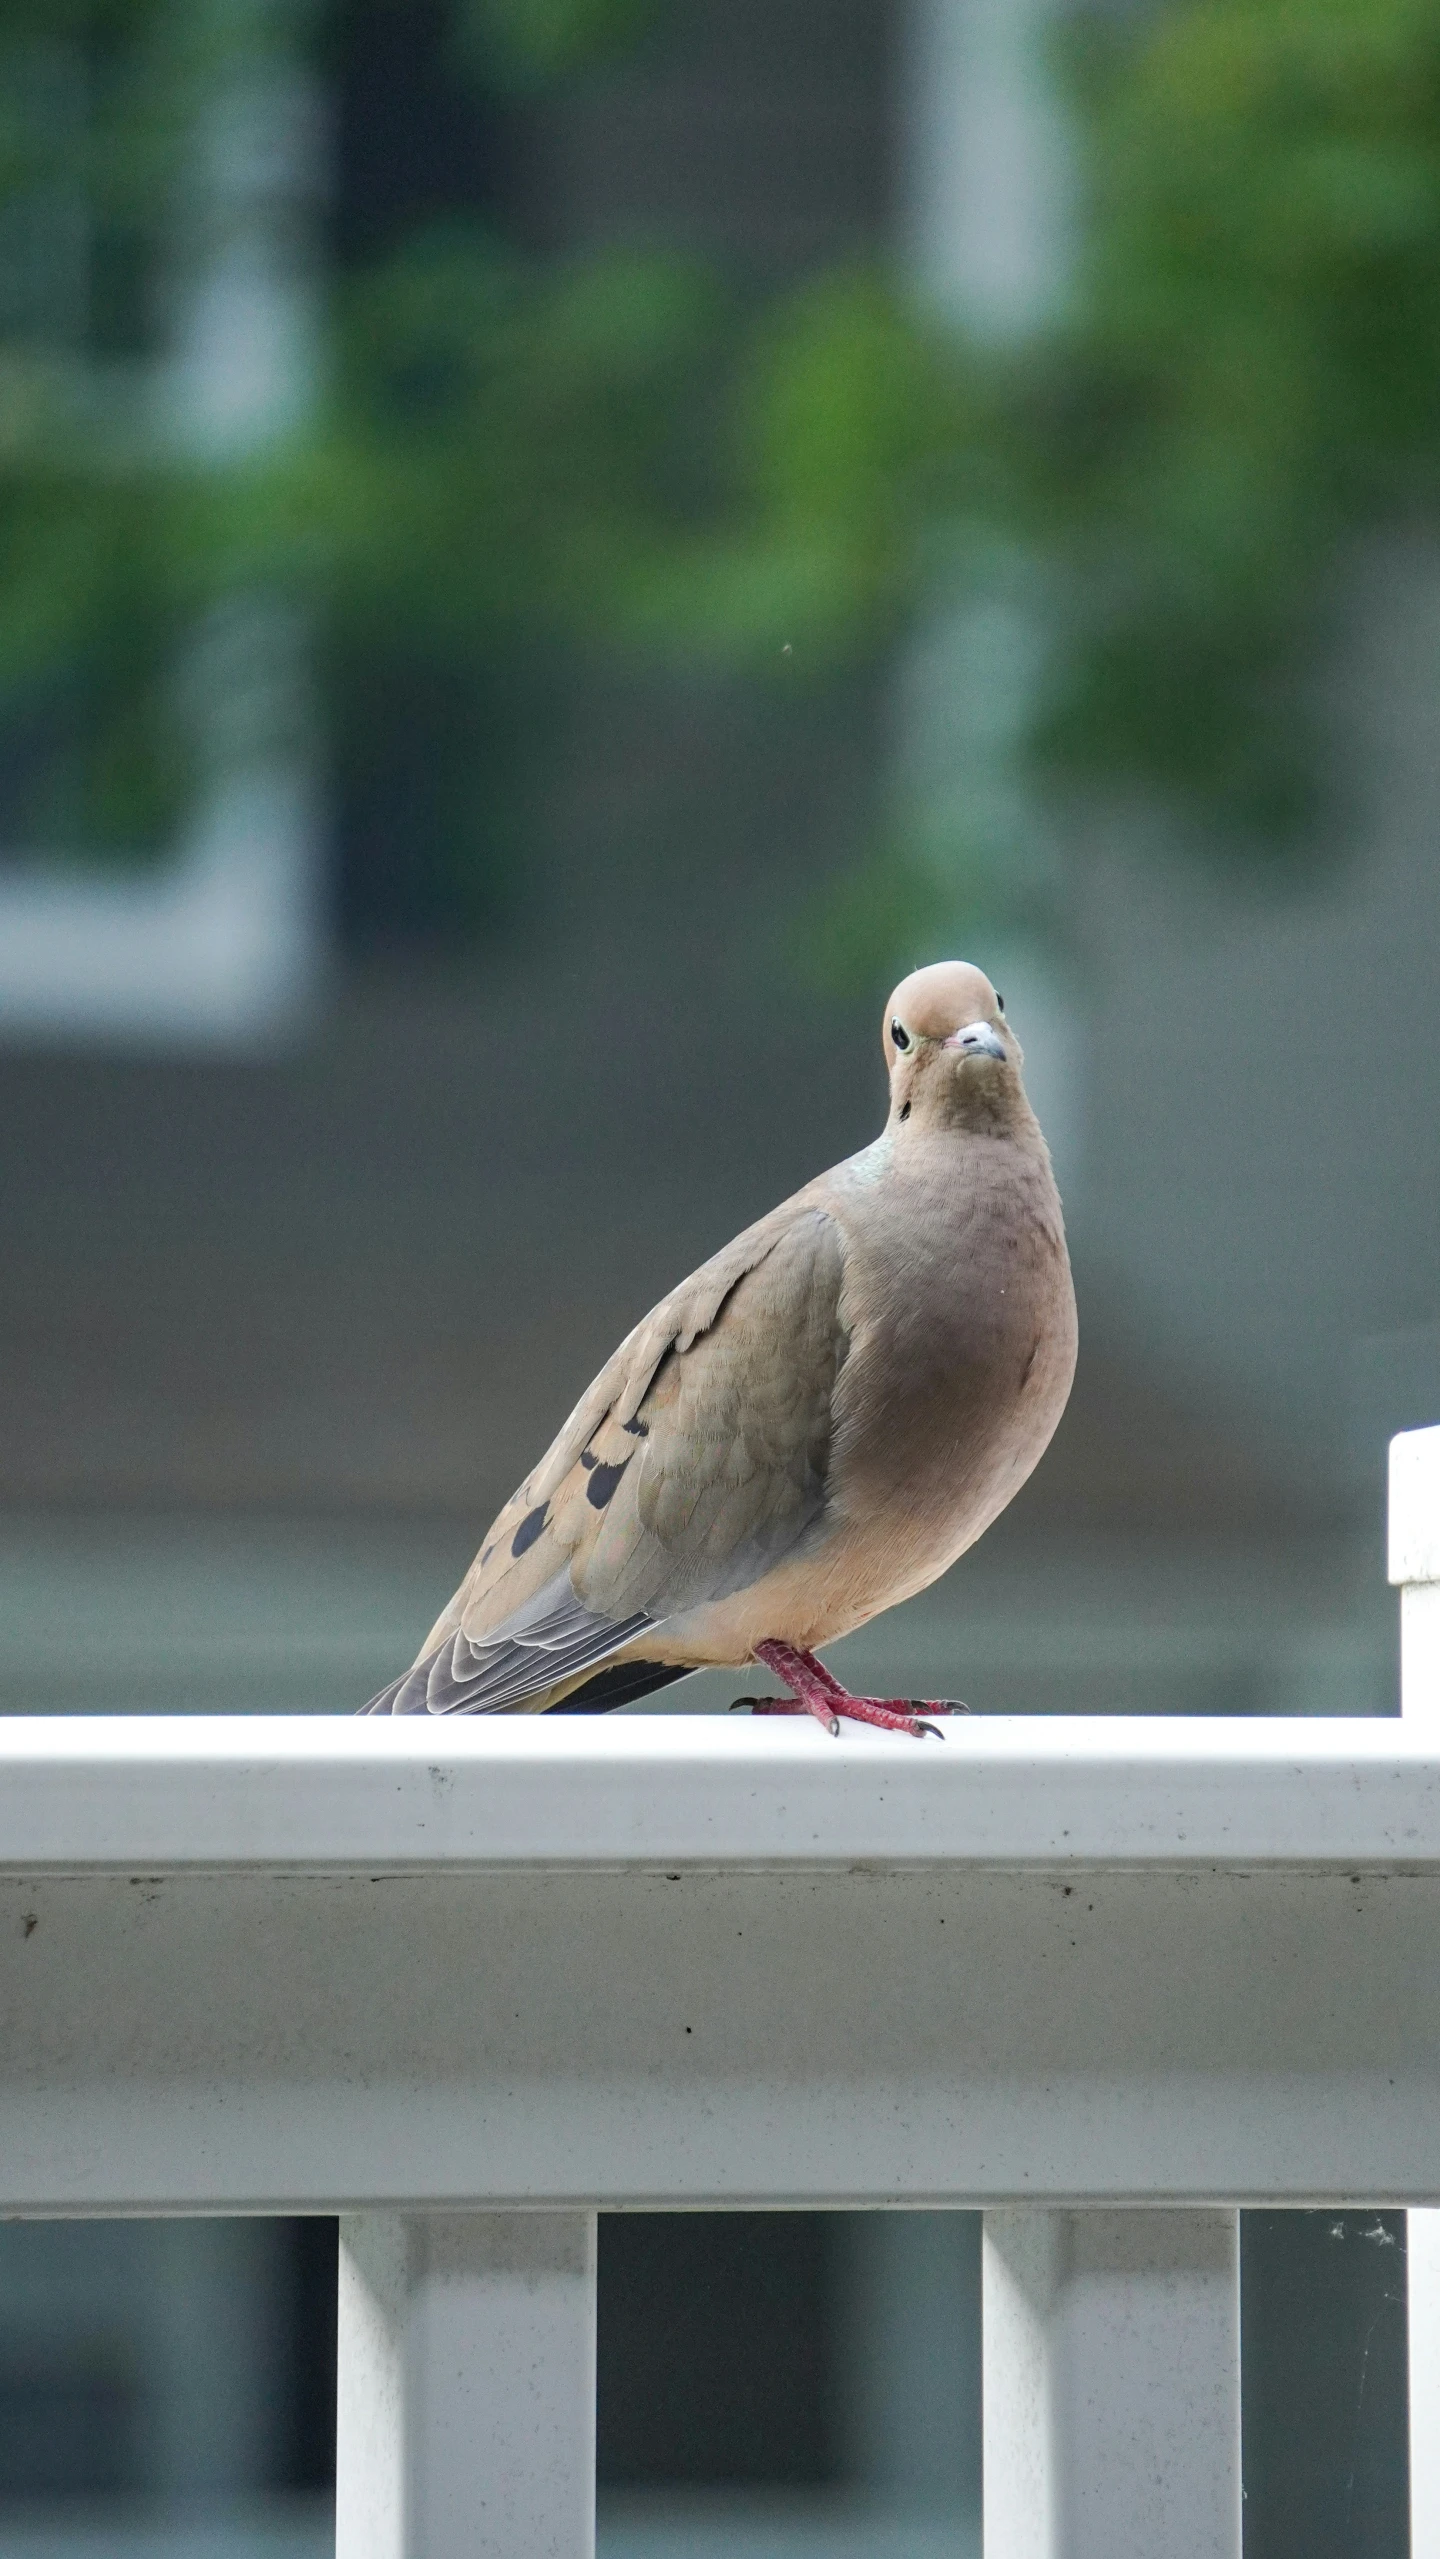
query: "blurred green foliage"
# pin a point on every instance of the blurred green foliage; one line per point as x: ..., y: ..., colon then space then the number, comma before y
x: 1252, y: 379
x: 503, y: 453
x: 528, y: 43
x: 1245, y: 384
x: 851, y: 441
x: 102, y: 570
x: 514, y: 457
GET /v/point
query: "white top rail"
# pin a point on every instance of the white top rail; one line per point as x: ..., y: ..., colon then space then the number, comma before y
x: 280, y: 1964
x: 294, y: 1964
x: 1415, y: 1507
x: 283, y: 1794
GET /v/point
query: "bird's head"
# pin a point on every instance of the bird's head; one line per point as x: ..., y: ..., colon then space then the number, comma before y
x: 954, y: 1061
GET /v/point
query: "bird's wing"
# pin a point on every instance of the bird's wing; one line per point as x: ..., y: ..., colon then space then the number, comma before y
x: 545, y: 1642
x: 696, y: 1460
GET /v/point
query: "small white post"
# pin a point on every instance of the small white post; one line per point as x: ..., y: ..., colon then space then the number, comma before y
x: 466, y: 2386
x: 1112, y: 2384
x: 1415, y: 1566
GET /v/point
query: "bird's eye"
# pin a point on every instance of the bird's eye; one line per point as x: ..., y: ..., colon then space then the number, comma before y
x: 999, y: 1001
x: 899, y: 1036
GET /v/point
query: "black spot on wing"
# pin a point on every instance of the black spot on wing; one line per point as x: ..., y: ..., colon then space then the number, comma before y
x: 603, y: 1481
x: 638, y: 1429
x: 529, y: 1529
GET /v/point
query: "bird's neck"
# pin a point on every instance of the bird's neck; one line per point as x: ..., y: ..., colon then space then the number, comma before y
x: 994, y: 1108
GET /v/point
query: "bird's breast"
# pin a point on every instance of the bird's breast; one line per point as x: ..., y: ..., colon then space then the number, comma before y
x: 962, y: 1350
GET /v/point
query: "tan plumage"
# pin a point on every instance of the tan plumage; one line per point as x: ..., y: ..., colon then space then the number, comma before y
x: 810, y: 1427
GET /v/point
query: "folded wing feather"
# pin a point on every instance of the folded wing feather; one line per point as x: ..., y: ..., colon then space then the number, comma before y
x: 694, y: 1462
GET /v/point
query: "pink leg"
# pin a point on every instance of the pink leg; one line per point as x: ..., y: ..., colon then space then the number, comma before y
x: 816, y: 1691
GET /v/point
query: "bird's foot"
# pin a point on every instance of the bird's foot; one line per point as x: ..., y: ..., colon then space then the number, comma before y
x: 816, y: 1691
x: 890, y: 1713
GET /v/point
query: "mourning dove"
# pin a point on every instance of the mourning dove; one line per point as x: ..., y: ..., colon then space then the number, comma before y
x: 810, y: 1428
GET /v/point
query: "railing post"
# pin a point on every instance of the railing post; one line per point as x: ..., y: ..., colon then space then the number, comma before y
x: 1415, y: 1566
x: 466, y: 2386
x: 1112, y: 2385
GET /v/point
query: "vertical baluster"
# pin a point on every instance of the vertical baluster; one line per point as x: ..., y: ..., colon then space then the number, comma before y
x: 466, y: 2398
x: 1415, y: 1566
x: 1112, y: 2385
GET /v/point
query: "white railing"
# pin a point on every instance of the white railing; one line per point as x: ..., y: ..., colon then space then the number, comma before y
x: 1106, y: 1979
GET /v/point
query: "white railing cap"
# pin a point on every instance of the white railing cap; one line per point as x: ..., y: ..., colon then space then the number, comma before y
x: 1415, y: 1506
x: 161, y: 1795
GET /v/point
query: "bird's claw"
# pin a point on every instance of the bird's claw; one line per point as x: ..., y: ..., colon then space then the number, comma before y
x: 773, y: 1706
x: 785, y: 1706
x: 858, y: 1710
x: 816, y: 1691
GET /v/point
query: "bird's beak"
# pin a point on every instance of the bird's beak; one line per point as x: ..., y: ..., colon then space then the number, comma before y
x: 977, y: 1039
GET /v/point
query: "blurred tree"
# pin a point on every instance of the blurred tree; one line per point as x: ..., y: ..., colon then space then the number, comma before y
x: 530, y: 42
x: 1253, y: 380
x: 517, y: 457
x: 496, y: 447
x: 98, y: 570
x: 1245, y: 383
